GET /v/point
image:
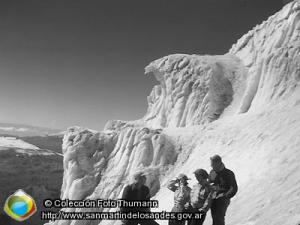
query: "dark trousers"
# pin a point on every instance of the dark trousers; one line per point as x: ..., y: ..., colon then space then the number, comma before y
x: 218, y: 210
x: 141, y: 222
x: 137, y: 221
x: 196, y: 221
x: 176, y: 222
x: 177, y: 209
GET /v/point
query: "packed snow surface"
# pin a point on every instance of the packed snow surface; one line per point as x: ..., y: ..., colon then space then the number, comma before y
x: 244, y: 105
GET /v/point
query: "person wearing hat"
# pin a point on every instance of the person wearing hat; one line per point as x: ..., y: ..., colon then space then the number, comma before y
x: 181, y: 190
x: 201, y: 197
x: 224, y: 186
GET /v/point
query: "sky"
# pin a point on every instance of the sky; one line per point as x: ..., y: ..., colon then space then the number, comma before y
x: 81, y: 62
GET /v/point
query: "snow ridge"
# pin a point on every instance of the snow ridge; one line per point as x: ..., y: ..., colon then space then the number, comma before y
x: 271, y: 54
x: 193, y: 89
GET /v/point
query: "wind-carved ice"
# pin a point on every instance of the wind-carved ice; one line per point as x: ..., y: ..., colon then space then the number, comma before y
x: 244, y: 105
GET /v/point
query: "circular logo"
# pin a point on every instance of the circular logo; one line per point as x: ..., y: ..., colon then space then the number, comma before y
x: 20, y: 206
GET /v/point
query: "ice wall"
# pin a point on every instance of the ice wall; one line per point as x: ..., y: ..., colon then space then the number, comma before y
x: 196, y: 89
x: 98, y: 165
x: 243, y: 105
x: 271, y: 54
x: 260, y: 143
x: 193, y: 89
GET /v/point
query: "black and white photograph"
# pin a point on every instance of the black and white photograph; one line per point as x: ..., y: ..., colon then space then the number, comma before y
x: 161, y: 112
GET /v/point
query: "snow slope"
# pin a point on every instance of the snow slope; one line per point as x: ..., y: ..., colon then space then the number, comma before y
x: 244, y: 105
x: 12, y: 142
x: 23, y: 147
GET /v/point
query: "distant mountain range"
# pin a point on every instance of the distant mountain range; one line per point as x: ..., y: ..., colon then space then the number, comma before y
x: 22, y: 130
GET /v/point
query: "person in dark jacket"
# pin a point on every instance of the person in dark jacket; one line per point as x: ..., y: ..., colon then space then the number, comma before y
x: 137, y: 191
x: 224, y: 186
x: 200, y: 197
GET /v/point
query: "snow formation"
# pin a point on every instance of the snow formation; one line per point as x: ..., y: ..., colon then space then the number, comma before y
x: 244, y: 105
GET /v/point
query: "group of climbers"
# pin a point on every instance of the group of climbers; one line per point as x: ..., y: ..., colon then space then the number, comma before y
x: 195, y: 200
x: 212, y: 191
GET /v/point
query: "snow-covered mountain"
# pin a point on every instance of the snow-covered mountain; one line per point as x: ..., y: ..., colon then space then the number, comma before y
x: 12, y: 142
x: 21, y: 146
x: 244, y: 105
x: 23, y: 136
